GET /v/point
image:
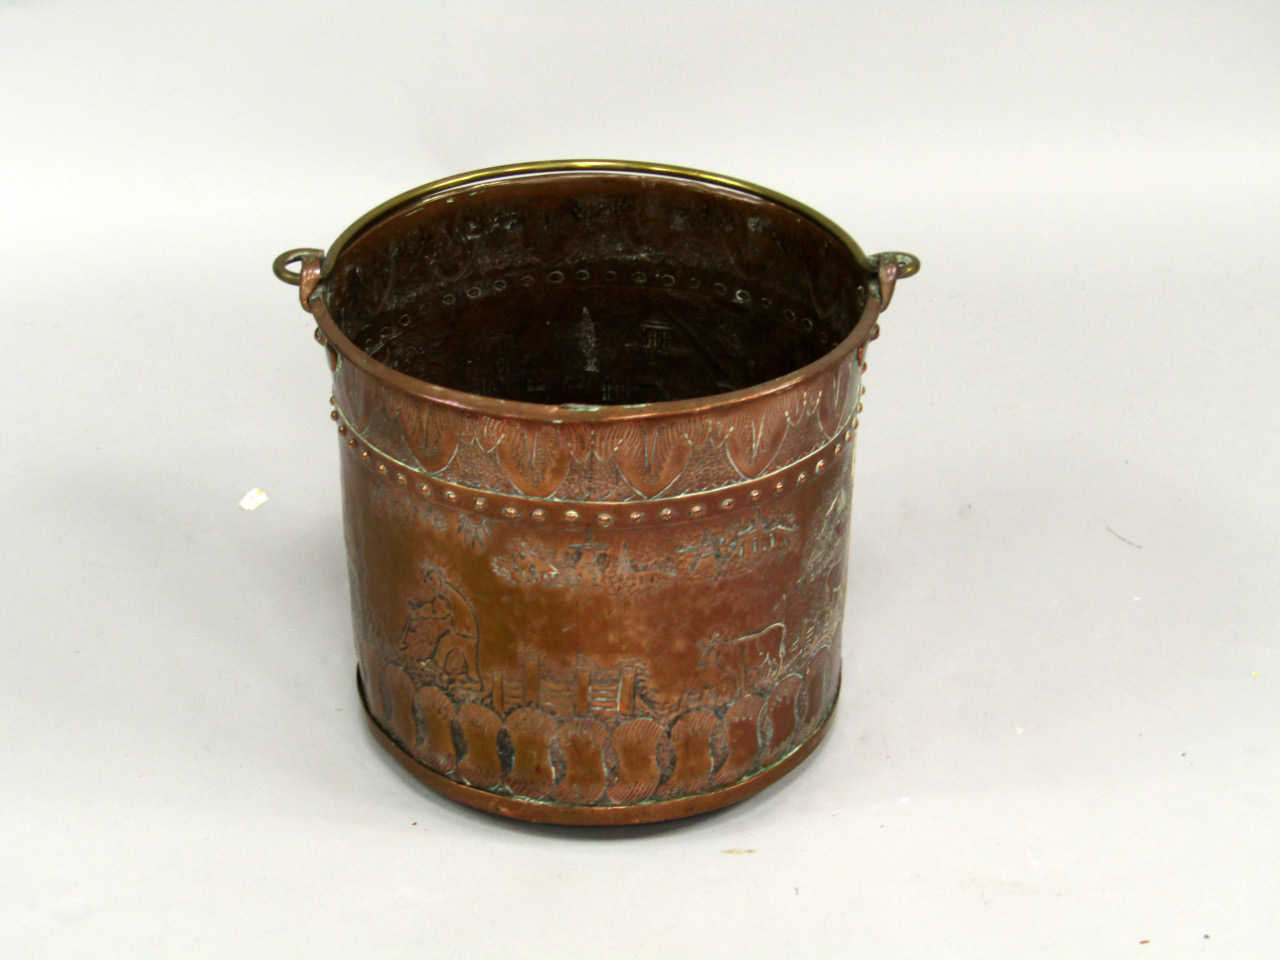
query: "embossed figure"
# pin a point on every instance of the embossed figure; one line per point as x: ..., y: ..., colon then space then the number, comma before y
x: 749, y: 660
x: 441, y: 627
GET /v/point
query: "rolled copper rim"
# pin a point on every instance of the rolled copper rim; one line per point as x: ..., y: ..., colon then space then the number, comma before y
x: 553, y: 413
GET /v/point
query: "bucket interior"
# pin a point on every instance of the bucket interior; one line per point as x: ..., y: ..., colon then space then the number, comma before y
x: 596, y: 288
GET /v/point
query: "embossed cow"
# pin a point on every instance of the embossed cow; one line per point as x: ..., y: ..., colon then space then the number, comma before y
x: 751, y: 660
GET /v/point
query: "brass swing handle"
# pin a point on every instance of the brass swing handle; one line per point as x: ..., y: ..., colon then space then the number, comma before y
x: 306, y: 276
x: 893, y: 266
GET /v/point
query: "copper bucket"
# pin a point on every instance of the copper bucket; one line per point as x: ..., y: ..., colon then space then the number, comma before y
x: 597, y: 424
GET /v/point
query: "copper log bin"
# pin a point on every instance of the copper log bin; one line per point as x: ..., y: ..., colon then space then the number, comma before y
x: 597, y: 426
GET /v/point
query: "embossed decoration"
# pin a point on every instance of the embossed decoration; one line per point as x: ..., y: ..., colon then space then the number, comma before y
x: 430, y: 432
x: 597, y: 427
x: 534, y: 459
x: 598, y: 734
x: 711, y: 448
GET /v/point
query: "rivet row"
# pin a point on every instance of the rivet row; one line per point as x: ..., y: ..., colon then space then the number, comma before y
x: 604, y: 519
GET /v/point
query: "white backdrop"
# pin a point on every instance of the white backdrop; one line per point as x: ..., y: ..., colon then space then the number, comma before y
x: 1058, y: 731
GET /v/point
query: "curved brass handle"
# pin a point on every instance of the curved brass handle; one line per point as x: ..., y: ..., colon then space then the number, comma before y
x: 297, y: 255
x: 893, y: 266
x: 306, y: 276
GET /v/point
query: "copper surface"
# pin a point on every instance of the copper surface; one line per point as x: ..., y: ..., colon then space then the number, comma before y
x: 597, y: 425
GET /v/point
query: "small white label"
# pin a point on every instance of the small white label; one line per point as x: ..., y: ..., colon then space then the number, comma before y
x: 253, y: 499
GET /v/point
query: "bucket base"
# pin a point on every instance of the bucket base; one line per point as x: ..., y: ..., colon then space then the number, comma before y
x: 542, y: 812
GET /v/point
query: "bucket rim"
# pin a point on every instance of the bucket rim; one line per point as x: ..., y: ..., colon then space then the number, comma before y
x: 861, y: 332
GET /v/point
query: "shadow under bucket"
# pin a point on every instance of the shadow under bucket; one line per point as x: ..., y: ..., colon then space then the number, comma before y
x: 597, y: 423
